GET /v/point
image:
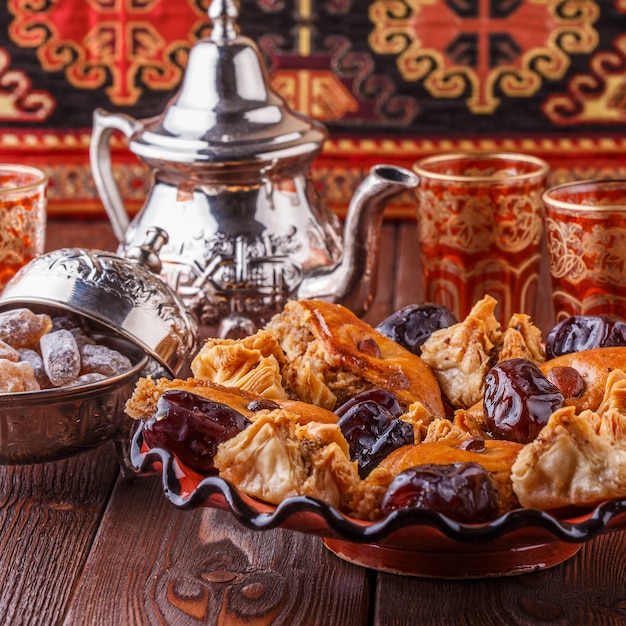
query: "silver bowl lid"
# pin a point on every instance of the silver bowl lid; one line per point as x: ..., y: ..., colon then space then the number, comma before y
x: 226, y: 111
x: 125, y: 295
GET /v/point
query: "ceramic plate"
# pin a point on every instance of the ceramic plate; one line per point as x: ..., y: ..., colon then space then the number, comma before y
x: 412, y: 542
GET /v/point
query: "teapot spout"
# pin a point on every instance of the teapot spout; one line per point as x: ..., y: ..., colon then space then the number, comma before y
x: 352, y: 282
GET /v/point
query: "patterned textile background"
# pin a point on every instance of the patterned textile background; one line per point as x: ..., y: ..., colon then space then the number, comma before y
x: 393, y: 80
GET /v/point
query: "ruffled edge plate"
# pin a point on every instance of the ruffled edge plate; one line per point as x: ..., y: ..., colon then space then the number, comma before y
x: 411, y: 542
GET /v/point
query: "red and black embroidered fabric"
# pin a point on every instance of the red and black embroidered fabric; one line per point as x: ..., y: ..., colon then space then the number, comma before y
x: 392, y: 80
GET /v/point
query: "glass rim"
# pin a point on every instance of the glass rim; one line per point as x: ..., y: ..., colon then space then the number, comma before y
x: 566, y: 205
x: 40, y: 177
x: 541, y: 165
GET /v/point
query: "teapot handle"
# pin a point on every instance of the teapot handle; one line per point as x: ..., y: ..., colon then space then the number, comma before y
x: 104, y: 124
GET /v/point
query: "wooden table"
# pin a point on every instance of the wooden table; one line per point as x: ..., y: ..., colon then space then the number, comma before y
x: 80, y: 545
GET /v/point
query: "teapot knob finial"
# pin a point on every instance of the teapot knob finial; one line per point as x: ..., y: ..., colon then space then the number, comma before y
x: 147, y: 254
x: 224, y: 14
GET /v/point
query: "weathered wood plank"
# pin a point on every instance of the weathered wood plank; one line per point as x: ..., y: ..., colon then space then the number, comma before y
x: 49, y: 516
x: 587, y: 589
x: 154, y: 564
x: 409, y: 283
x: 91, y: 234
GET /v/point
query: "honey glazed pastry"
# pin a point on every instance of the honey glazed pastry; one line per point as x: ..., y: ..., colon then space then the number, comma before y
x: 336, y: 410
x: 323, y: 354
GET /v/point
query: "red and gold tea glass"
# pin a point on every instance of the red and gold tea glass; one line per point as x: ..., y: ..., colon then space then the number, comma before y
x: 22, y: 217
x: 586, y: 239
x: 480, y: 230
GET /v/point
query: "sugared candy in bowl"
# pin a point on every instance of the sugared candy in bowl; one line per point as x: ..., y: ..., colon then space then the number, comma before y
x: 105, y: 320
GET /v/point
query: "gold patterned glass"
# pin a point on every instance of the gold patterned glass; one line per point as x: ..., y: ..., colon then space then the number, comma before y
x: 22, y: 217
x: 586, y: 237
x: 480, y: 228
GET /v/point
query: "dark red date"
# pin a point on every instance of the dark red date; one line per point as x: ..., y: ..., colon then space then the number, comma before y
x: 372, y: 430
x: 383, y: 397
x: 412, y: 325
x: 518, y: 400
x: 584, y: 332
x: 192, y: 427
x: 464, y: 492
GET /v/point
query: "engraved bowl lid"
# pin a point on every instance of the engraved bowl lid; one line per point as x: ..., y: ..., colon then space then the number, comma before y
x: 124, y: 294
x: 226, y: 112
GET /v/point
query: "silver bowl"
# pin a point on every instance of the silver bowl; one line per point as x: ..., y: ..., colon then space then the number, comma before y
x: 127, y: 303
x: 51, y: 424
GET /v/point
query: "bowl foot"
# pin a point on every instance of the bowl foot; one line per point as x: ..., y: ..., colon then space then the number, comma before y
x: 462, y: 561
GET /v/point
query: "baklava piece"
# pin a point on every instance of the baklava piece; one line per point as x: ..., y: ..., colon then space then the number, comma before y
x: 578, y: 459
x: 252, y: 364
x: 276, y: 457
x: 461, y: 355
x: 522, y: 340
x: 331, y: 355
x: 143, y: 402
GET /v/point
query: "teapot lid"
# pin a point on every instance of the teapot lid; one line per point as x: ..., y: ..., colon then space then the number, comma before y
x: 226, y: 110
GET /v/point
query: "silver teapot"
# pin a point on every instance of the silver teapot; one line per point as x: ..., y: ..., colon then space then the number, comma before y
x: 230, y: 162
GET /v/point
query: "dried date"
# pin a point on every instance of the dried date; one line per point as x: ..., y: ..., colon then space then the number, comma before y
x: 464, y: 492
x: 412, y: 325
x: 383, y: 397
x: 584, y: 332
x: 192, y: 428
x: 518, y: 400
x: 372, y: 428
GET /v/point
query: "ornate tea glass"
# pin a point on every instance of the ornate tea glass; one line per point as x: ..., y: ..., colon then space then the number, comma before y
x: 22, y: 217
x: 480, y: 230
x: 586, y: 238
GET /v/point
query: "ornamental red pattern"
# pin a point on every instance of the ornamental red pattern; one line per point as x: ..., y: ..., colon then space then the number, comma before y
x: 597, y: 96
x: 18, y: 100
x: 393, y: 80
x: 481, y: 46
x: 123, y: 38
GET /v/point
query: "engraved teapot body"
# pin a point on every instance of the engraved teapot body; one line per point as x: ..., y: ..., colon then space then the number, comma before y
x: 230, y: 166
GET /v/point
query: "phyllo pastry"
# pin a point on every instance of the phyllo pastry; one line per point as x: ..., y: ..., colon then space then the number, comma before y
x: 331, y: 356
x: 287, y: 448
x: 252, y: 363
x: 577, y: 459
x: 143, y: 402
x: 276, y: 457
x: 461, y: 355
